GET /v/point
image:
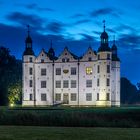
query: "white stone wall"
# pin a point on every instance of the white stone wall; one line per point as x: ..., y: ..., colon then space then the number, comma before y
x: 90, y: 59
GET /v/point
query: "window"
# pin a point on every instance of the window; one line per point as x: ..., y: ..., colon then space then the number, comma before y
x: 73, y: 96
x: 108, y: 56
x: 89, y: 59
x: 68, y: 59
x: 89, y: 83
x: 97, y: 96
x: 108, y: 82
x: 30, y: 59
x: 58, y: 97
x: 43, y: 71
x: 73, y: 83
x: 43, y: 97
x: 107, y: 96
x: 88, y: 96
x: 108, y: 68
x: 65, y: 84
x: 73, y: 71
x: 58, y: 84
x: 31, y: 71
x: 63, y: 60
x: 98, y: 69
x: 98, y: 57
x: 58, y: 71
x: 98, y: 82
x: 31, y: 97
x: 89, y: 70
x: 31, y: 83
x: 42, y: 60
x: 43, y: 84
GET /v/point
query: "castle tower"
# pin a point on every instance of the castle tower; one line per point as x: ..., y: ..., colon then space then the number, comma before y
x: 28, y: 72
x: 104, y: 72
x: 115, y: 99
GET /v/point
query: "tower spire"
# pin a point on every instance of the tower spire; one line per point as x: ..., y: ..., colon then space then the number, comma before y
x: 28, y: 29
x: 104, y: 25
x: 114, y: 40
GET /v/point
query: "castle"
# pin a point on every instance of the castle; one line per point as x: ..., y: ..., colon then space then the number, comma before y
x: 90, y: 80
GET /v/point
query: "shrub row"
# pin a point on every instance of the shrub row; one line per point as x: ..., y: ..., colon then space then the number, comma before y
x: 71, y: 118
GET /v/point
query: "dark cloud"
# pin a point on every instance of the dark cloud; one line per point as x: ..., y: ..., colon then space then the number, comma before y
x: 77, y: 16
x: 123, y: 27
x: 24, y: 19
x: 87, y: 37
x: 105, y: 11
x: 129, y: 40
x: 82, y: 21
x: 111, y: 31
x: 55, y: 27
x: 35, y: 6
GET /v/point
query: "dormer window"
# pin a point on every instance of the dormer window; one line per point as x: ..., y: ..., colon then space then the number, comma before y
x: 65, y: 53
x: 42, y: 60
x: 63, y: 60
x: 89, y: 59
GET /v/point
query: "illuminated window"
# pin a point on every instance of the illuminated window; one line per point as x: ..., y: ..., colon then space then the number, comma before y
x: 89, y: 70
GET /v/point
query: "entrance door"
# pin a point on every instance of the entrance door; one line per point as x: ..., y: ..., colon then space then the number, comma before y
x: 65, y: 98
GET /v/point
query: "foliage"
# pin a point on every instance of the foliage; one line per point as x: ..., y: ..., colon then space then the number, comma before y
x: 14, y: 93
x: 83, y: 117
x: 10, y: 73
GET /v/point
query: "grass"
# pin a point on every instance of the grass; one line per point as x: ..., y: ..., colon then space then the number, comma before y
x: 67, y: 133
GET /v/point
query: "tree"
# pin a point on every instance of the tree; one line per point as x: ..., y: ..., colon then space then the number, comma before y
x: 10, y: 73
x: 14, y: 93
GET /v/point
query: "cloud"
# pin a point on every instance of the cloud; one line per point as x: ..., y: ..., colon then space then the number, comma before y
x: 35, y: 6
x: 130, y: 40
x: 105, y: 11
x: 123, y: 27
x: 82, y: 21
x: 77, y: 16
x: 55, y: 27
x: 25, y: 19
x: 87, y: 37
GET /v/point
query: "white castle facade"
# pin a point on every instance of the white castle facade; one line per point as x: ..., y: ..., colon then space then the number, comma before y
x: 90, y: 80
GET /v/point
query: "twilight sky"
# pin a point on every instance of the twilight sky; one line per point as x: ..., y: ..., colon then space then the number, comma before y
x: 76, y: 24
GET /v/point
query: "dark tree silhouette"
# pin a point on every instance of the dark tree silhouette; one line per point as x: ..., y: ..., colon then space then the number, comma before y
x: 10, y: 72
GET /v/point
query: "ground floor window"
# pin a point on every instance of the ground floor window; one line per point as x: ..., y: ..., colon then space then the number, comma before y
x: 58, y: 97
x: 73, y: 96
x: 31, y: 97
x: 43, y: 97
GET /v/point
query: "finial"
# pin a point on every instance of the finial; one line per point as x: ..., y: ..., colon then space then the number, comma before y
x: 114, y: 39
x: 51, y: 43
x: 28, y: 28
x: 104, y: 24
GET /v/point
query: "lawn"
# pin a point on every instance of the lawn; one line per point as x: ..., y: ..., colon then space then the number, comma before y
x: 67, y: 133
